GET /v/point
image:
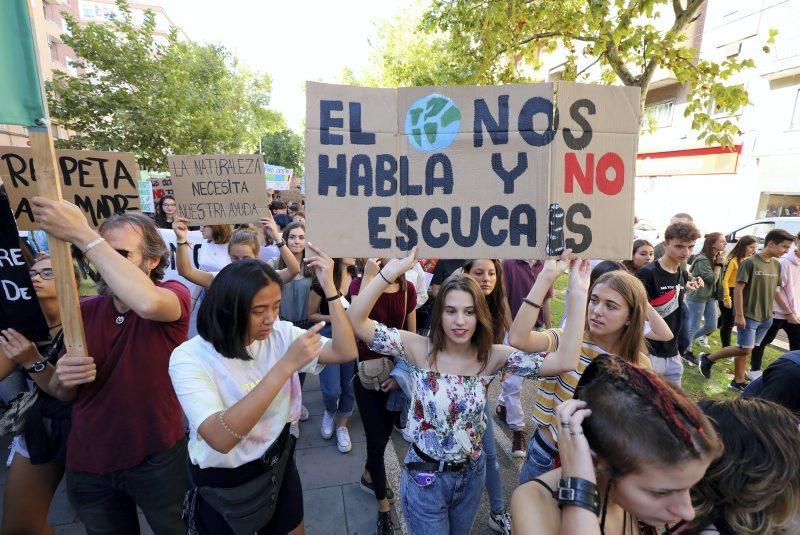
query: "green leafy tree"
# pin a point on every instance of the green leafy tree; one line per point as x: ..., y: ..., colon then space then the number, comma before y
x: 496, y: 40
x: 403, y: 55
x: 285, y: 148
x: 152, y: 97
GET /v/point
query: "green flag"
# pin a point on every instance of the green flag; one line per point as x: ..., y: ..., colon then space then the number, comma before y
x: 20, y: 93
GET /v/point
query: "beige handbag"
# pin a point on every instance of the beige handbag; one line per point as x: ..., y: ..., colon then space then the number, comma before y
x: 374, y: 372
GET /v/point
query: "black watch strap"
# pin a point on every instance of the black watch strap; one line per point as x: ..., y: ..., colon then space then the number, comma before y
x: 280, y: 244
x: 334, y: 298
x: 37, y: 367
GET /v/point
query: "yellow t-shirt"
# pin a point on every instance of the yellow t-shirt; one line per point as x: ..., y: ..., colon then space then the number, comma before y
x: 554, y: 390
x: 729, y: 279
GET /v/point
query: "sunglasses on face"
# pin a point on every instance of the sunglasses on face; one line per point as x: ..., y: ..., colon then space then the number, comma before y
x: 46, y: 274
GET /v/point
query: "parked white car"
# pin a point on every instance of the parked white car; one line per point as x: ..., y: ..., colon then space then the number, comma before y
x: 758, y: 228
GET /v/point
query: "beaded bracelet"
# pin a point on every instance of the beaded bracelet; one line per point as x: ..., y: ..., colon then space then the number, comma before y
x: 221, y: 416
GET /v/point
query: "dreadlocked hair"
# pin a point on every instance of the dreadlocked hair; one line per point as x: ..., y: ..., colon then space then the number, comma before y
x: 638, y: 418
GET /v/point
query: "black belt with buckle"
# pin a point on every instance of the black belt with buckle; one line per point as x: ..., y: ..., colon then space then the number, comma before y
x: 430, y: 464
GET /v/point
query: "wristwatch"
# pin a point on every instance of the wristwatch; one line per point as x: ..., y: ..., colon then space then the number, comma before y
x: 280, y: 244
x: 37, y: 367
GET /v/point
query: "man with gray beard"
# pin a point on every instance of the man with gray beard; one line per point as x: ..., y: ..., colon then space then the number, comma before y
x: 127, y: 446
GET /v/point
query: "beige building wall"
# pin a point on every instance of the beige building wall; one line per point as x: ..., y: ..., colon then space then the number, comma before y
x: 49, y: 25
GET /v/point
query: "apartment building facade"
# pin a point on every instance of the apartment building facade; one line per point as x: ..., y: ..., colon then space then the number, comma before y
x: 50, y: 25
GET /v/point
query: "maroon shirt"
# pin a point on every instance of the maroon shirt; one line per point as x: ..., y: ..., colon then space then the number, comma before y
x: 519, y: 278
x: 130, y: 410
x: 387, y: 310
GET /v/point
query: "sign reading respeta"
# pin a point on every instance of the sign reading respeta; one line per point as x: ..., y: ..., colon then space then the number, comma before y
x: 515, y: 171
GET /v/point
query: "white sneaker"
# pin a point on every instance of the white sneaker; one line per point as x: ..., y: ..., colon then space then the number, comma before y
x: 327, y: 425
x: 294, y: 429
x: 303, y: 413
x: 343, y: 439
x: 703, y: 342
x: 753, y: 375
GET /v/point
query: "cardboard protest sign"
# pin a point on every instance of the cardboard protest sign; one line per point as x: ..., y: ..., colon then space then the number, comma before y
x: 195, y: 237
x: 19, y: 307
x: 146, y: 201
x: 219, y: 189
x: 100, y: 183
x: 516, y: 171
x: 162, y: 183
x: 278, y: 178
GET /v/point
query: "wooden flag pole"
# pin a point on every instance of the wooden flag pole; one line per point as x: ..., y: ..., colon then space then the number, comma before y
x: 49, y: 186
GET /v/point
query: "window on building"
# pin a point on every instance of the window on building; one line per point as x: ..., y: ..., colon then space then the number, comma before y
x: 51, y: 44
x: 659, y: 114
x: 64, y: 27
x: 70, y: 64
x: 87, y: 10
x: 796, y: 111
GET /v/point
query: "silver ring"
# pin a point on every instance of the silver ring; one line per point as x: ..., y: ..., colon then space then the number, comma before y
x: 573, y: 433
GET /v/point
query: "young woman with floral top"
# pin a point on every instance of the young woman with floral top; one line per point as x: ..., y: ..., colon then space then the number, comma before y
x: 444, y: 470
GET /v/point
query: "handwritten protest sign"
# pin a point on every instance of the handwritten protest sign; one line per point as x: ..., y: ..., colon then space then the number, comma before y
x: 146, y: 201
x: 278, y: 178
x: 100, y: 183
x: 516, y: 171
x: 218, y: 189
x: 162, y: 183
x: 19, y: 307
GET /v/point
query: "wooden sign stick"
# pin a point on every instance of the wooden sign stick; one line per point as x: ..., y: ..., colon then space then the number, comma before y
x: 49, y: 186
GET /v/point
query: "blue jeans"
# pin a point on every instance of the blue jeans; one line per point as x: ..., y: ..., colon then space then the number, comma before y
x: 540, y: 458
x: 336, y: 383
x: 695, y: 311
x: 448, y: 504
x: 494, y: 486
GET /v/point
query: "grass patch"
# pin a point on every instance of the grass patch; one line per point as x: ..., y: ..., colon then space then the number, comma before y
x: 693, y: 383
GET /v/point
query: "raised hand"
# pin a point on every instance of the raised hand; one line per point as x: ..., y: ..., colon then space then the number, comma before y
x: 322, y: 264
x: 271, y: 229
x: 62, y: 220
x: 396, y: 267
x: 555, y: 267
x: 579, y: 275
x: 14, y: 346
x: 181, y: 228
x: 573, y: 448
x: 304, y: 349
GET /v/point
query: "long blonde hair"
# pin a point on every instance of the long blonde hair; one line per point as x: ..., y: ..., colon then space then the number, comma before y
x: 631, y: 339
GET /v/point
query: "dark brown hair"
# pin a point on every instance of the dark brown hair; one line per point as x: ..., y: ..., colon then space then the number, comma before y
x: 777, y: 235
x: 639, y: 419
x: 160, y: 216
x: 304, y: 269
x: 740, y: 249
x: 708, y: 244
x: 681, y: 231
x: 152, y: 244
x: 483, y: 338
x: 498, y: 305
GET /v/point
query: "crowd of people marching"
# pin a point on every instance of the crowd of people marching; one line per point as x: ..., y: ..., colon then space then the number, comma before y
x: 187, y: 405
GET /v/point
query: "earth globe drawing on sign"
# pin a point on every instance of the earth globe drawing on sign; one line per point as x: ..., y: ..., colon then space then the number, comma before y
x: 432, y: 123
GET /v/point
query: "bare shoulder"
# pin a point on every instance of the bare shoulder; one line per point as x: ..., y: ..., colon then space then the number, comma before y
x: 416, y: 347
x: 534, y: 511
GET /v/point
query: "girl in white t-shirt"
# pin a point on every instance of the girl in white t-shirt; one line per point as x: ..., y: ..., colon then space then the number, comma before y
x: 238, y: 384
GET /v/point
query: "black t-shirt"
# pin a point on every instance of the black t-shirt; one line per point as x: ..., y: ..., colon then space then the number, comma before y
x: 324, y: 308
x: 665, y: 291
x: 443, y: 269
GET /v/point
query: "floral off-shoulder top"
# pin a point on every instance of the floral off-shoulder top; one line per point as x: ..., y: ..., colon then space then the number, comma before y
x: 446, y: 415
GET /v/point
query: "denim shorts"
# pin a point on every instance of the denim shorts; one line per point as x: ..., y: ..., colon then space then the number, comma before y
x: 540, y: 458
x: 753, y: 333
x: 447, y: 502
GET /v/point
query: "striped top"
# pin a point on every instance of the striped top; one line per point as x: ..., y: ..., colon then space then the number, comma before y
x: 556, y: 389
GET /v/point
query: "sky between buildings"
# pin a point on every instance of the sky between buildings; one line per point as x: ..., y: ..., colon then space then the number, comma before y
x: 292, y: 40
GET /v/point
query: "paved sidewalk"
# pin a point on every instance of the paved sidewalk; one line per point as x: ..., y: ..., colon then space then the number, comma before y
x: 334, y: 502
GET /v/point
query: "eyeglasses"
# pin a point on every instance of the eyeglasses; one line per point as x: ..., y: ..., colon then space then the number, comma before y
x: 46, y: 274
x: 124, y: 252
x: 169, y: 205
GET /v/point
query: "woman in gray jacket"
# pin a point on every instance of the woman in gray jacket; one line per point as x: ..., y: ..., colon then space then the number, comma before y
x: 701, y: 304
